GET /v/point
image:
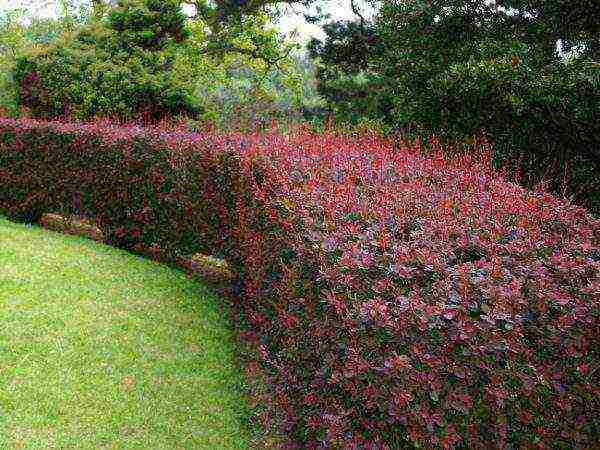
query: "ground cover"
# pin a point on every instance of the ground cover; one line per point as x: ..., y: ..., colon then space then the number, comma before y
x: 101, y: 349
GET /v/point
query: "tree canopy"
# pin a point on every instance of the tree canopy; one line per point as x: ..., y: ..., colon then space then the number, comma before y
x: 133, y: 57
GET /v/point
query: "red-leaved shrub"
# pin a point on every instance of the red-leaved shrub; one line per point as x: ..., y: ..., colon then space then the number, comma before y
x: 394, y: 300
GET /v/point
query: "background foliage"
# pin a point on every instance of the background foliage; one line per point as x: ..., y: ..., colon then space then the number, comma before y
x: 147, y: 59
x: 17, y: 38
x: 121, y: 69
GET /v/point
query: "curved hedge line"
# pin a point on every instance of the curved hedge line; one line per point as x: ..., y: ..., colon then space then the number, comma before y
x: 393, y: 300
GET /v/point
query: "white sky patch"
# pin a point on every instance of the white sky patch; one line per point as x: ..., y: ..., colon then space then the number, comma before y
x: 293, y: 19
x: 45, y: 8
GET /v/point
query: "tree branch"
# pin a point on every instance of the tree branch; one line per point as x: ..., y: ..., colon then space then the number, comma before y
x: 253, y: 53
x: 356, y: 11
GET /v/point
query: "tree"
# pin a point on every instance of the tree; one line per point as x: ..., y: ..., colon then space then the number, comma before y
x: 571, y: 21
x: 121, y: 69
x: 149, y: 24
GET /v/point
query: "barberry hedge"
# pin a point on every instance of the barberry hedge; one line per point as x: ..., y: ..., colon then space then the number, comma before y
x: 393, y: 300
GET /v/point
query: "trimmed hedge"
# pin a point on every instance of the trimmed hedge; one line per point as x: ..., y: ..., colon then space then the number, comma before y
x: 393, y: 300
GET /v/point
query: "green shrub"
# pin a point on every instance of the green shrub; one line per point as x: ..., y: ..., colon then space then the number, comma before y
x: 119, y: 71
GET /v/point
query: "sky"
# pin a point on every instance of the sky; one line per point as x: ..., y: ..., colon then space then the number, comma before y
x: 292, y: 19
x: 339, y: 10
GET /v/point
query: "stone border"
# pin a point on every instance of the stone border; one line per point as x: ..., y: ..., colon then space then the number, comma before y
x: 211, y: 269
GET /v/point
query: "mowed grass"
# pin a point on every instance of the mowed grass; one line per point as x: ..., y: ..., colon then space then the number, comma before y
x: 100, y: 349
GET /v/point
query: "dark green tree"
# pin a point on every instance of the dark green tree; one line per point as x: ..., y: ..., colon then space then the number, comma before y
x: 348, y: 73
x: 151, y: 24
x: 120, y: 68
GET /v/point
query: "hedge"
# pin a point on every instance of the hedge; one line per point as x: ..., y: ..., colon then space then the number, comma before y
x: 393, y: 300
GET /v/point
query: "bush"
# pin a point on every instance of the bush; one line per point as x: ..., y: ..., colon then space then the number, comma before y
x: 15, y: 37
x: 393, y: 300
x: 123, y: 71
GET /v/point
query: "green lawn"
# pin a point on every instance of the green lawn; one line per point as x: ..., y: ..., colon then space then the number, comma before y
x: 100, y: 349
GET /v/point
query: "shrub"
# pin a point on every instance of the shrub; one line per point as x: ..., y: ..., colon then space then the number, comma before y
x: 15, y: 37
x: 393, y: 300
x: 124, y: 70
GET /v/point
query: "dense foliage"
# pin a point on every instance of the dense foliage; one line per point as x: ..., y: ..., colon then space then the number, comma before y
x: 151, y: 24
x: 393, y: 299
x: 122, y: 70
x: 146, y: 60
x: 15, y: 39
x: 461, y: 67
